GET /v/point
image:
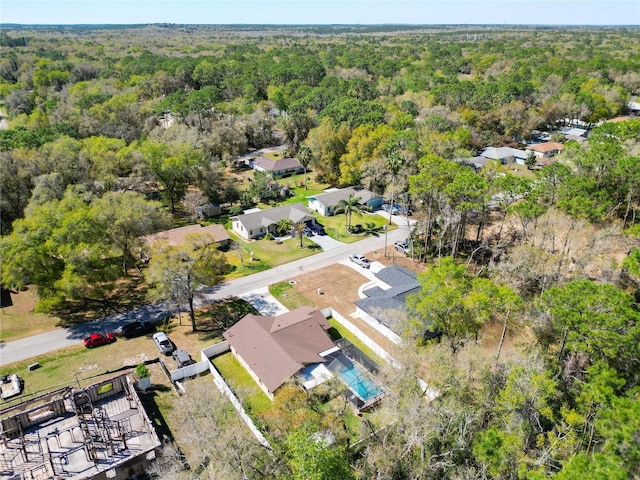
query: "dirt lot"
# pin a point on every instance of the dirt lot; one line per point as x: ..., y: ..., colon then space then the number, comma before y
x: 340, y: 283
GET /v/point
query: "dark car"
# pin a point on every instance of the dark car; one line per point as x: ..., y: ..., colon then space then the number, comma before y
x: 182, y: 358
x: 98, y: 339
x: 136, y: 329
x: 317, y: 229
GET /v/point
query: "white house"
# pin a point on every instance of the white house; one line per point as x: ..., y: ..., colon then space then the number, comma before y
x: 325, y: 203
x: 257, y: 224
x: 546, y: 149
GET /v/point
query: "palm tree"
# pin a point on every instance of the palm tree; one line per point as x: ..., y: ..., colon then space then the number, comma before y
x: 304, y: 157
x: 394, y: 163
x: 284, y: 226
x: 349, y: 206
x: 298, y: 230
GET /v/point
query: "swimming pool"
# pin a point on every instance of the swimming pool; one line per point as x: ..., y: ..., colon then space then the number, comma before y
x: 359, y: 382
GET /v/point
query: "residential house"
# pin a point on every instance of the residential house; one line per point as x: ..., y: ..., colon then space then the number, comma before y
x: 178, y: 236
x: 258, y: 223
x: 478, y: 162
x: 546, y: 149
x: 275, y: 348
x: 277, y: 168
x: 505, y: 155
x: 325, y: 203
x: 574, y: 131
x: 384, y: 306
x: 501, y: 155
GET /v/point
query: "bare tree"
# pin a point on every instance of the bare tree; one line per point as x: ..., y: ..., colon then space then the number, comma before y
x: 192, y: 200
x: 215, y: 440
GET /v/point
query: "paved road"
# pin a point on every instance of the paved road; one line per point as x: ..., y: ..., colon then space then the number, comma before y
x: 38, y: 344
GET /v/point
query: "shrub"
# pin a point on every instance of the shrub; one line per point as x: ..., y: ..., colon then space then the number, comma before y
x: 142, y: 371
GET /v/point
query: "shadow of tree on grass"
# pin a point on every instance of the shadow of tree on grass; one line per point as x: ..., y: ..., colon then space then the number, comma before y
x: 214, y: 319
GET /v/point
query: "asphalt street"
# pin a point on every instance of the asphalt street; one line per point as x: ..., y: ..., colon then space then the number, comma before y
x: 46, y: 342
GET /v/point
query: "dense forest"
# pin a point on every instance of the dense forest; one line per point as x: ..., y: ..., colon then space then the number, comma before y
x: 102, y: 120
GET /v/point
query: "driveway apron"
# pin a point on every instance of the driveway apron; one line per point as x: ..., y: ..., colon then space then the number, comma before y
x: 326, y: 242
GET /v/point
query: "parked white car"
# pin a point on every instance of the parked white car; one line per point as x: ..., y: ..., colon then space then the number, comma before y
x: 163, y: 343
x: 360, y: 260
x: 402, y: 247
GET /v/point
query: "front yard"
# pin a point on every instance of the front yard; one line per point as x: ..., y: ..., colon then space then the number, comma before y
x: 266, y: 254
x: 366, y: 224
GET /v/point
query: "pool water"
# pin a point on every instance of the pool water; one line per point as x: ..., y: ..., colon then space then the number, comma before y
x: 359, y: 382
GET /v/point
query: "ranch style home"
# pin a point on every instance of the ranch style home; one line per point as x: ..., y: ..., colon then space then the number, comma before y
x: 275, y: 348
x: 277, y: 168
x: 257, y: 224
x: 178, y: 236
x: 325, y: 203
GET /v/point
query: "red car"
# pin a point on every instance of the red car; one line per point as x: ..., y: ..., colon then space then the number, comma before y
x: 97, y: 339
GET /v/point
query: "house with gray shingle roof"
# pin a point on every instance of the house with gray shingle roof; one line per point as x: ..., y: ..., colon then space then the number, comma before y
x: 385, y: 305
x: 258, y: 224
x: 501, y: 155
x: 478, y: 162
x: 325, y: 203
x: 505, y: 155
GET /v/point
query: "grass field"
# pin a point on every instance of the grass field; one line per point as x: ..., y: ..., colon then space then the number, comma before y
x: 245, y: 388
x: 19, y: 320
x: 338, y: 331
x: 289, y: 296
x: 266, y: 254
x: 78, y: 365
x: 336, y: 226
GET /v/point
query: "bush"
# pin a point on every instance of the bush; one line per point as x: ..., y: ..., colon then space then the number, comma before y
x: 142, y: 371
x: 269, y: 236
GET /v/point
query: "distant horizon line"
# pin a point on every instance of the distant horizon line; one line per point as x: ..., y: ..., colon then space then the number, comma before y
x: 550, y: 25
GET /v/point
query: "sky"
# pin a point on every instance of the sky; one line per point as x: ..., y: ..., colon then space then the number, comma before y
x: 288, y: 12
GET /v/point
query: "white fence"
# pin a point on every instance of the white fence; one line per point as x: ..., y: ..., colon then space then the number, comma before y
x: 189, y: 371
x: 379, y: 327
x: 214, y: 350
x: 217, y: 349
x: 360, y: 335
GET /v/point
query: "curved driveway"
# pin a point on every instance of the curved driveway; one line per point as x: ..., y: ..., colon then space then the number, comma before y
x: 46, y: 342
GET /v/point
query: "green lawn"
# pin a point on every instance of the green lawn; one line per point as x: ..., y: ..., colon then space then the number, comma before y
x: 266, y: 254
x: 289, y: 296
x: 352, y: 422
x: 253, y: 399
x: 298, y: 192
x: 344, y: 333
x: 373, y: 225
x: 77, y: 365
x: 19, y: 320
